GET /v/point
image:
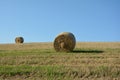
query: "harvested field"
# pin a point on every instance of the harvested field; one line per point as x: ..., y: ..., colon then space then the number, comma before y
x: 39, y: 61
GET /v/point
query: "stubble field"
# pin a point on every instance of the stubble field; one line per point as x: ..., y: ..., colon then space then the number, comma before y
x: 39, y: 61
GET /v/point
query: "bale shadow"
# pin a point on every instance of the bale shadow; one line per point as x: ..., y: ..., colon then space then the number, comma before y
x: 88, y: 51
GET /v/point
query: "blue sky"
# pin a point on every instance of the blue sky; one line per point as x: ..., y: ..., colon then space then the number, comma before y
x: 43, y: 20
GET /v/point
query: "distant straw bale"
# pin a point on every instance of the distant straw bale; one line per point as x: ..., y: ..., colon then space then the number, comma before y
x: 64, y: 42
x: 19, y: 40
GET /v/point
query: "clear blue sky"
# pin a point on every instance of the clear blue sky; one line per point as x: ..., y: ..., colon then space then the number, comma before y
x: 42, y: 20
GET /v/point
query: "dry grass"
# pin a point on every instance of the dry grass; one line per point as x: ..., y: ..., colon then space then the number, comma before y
x: 32, y: 61
x: 26, y: 46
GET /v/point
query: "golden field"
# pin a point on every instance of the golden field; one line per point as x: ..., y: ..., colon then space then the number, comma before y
x: 39, y: 61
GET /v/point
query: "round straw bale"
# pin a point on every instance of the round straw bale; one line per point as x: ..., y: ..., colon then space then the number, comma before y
x: 64, y: 42
x: 19, y: 40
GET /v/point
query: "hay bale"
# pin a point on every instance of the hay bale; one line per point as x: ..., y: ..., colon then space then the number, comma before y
x: 19, y: 40
x: 64, y: 42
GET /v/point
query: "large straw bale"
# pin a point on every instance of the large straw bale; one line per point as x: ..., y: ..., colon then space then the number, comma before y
x: 64, y: 42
